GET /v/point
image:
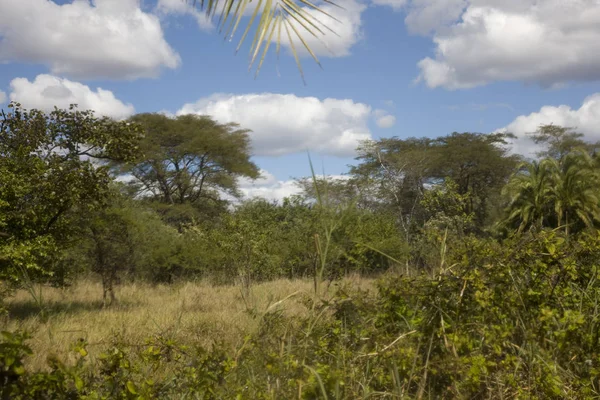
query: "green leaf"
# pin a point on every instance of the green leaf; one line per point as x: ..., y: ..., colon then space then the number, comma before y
x: 19, y: 370
x: 9, y: 360
x: 79, y: 383
x: 131, y: 387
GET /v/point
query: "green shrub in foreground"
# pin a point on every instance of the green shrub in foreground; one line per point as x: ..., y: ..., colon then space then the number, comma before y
x: 513, y: 320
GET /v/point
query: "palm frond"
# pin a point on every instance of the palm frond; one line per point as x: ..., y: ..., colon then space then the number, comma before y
x: 297, y: 16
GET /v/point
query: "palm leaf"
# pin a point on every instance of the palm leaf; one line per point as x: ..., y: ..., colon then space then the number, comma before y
x: 273, y: 14
x: 286, y: 24
x: 266, y: 49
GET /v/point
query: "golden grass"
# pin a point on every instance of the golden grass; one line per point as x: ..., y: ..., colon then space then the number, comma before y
x: 190, y: 313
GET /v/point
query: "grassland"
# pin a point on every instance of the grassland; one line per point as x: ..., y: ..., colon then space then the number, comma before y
x: 199, y: 313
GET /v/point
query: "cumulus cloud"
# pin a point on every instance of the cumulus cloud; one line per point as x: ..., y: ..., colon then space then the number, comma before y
x: 285, y: 123
x: 387, y: 121
x: 383, y: 119
x: 103, y: 39
x: 180, y: 7
x: 347, y: 30
x: 2, y: 97
x: 395, y: 4
x: 551, y: 42
x: 268, y: 187
x: 585, y: 119
x: 47, y: 91
x: 425, y: 16
x: 390, y: 103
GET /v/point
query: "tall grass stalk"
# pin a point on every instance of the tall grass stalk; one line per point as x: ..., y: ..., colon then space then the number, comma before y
x: 35, y: 290
x: 330, y: 221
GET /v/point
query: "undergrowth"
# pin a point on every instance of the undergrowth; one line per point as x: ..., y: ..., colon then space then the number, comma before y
x: 517, y: 320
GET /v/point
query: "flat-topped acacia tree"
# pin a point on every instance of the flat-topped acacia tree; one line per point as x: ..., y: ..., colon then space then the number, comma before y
x: 189, y: 160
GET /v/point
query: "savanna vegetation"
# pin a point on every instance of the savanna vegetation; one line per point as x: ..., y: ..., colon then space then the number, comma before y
x: 133, y: 268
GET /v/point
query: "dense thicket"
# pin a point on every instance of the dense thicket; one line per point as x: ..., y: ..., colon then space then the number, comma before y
x: 490, y: 282
x: 52, y: 167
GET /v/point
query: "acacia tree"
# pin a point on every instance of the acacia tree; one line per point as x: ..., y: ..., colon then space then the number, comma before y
x: 334, y: 191
x: 558, y: 141
x: 51, y: 164
x: 112, y: 249
x: 480, y: 165
x: 395, y: 173
x: 125, y: 239
x: 189, y: 159
x: 391, y: 174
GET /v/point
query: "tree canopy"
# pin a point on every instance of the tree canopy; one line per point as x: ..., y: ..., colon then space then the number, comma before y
x: 558, y: 141
x: 554, y: 193
x: 465, y: 238
x: 396, y: 172
x: 189, y: 158
x: 51, y: 164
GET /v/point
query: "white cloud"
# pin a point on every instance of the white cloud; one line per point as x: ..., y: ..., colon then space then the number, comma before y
x: 383, y: 119
x: 585, y: 119
x: 395, y: 4
x: 549, y: 42
x: 425, y: 16
x: 268, y: 187
x: 346, y: 33
x: 181, y: 7
x: 387, y: 121
x: 2, y: 97
x: 285, y: 123
x: 390, y: 103
x: 106, y: 39
x: 47, y: 91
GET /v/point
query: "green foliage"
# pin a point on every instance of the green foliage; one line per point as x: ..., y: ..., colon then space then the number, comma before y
x: 47, y: 170
x: 514, y: 320
x: 365, y: 242
x: 12, y: 352
x: 449, y: 225
x: 559, y: 141
x: 246, y: 241
x: 395, y: 173
x: 125, y: 240
x: 554, y: 193
x: 190, y: 159
x: 448, y: 208
x: 262, y: 240
x: 257, y: 241
x: 468, y: 315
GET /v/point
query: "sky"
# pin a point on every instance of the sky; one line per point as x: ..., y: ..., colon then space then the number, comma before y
x: 404, y: 68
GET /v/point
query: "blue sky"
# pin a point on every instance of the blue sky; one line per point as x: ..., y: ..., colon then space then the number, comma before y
x: 398, y: 68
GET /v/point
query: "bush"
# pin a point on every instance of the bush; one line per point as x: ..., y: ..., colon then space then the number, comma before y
x: 518, y: 319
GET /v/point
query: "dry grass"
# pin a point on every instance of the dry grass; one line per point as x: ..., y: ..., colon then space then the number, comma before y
x: 196, y: 313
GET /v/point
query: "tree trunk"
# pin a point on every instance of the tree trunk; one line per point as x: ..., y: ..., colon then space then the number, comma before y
x: 108, y: 292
